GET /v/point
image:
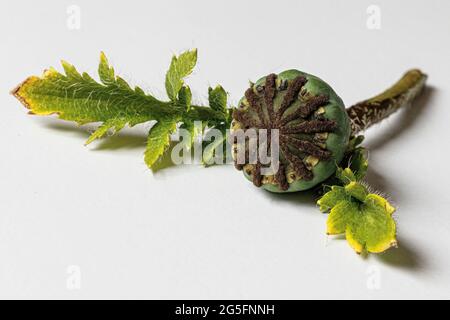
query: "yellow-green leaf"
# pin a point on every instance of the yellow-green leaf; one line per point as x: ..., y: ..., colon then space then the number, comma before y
x: 331, y: 198
x: 345, y: 175
x: 217, y: 98
x: 180, y: 68
x: 115, y: 125
x: 185, y: 97
x: 356, y: 190
x: 113, y: 103
x: 365, y: 218
x: 372, y: 229
x: 158, y: 140
x: 81, y: 99
x: 105, y: 71
x: 341, y: 215
x: 376, y: 200
x: 359, y: 163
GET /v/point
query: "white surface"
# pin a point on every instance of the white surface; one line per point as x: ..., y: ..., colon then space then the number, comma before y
x: 190, y: 232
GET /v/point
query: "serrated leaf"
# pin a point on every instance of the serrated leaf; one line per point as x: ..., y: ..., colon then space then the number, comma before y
x: 332, y: 198
x: 341, y: 215
x: 113, y: 103
x: 123, y: 84
x: 102, y: 130
x: 139, y: 91
x: 217, y: 98
x: 372, y: 229
x: 158, y: 140
x: 105, y: 71
x: 376, y: 200
x: 180, y: 68
x: 71, y: 71
x: 365, y: 218
x: 79, y: 98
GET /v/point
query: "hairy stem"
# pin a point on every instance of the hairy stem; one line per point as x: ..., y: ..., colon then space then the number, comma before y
x: 369, y: 112
x: 206, y: 114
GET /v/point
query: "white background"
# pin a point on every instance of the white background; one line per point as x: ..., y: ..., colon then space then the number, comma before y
x: 191, y: 232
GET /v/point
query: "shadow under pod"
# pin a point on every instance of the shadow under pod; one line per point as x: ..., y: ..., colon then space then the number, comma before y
x: 308, y: 197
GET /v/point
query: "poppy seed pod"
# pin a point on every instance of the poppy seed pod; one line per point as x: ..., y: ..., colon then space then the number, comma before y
x: 312, y: 123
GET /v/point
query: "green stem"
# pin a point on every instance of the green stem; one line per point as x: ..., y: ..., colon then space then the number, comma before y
x: 369, y: 112
x: 206, y: 114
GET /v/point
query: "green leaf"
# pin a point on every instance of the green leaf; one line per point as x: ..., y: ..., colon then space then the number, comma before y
x: 372, y: 229
x: 332, y: 198
x: 114, y: 104
x: 195, y: 130
x: 354, y: 142
x: 359, y: 163
x: 356, y: 190
x: 345, y: 175
x: 79, y: 98
x: 180, y: 68
x: 356, y: 158
x: 102, y: 130
x: 217, y: 98
x: 158, y: 140
x: 365, y: 218
x: 378, y: 201
x: 105, y: 71
x: 185, y: 97
x: 366, y: 226
x: 189, y: 126
x: 341, y: 215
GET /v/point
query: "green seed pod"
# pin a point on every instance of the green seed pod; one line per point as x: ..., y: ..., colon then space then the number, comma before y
x: 312, y: 123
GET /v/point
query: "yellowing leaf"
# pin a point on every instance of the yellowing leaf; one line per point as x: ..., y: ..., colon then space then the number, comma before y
x: 79, y: 98
x: 377, y: 200
x: 341, y: 215
x: 373, y: 229
x: 365, y: 218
